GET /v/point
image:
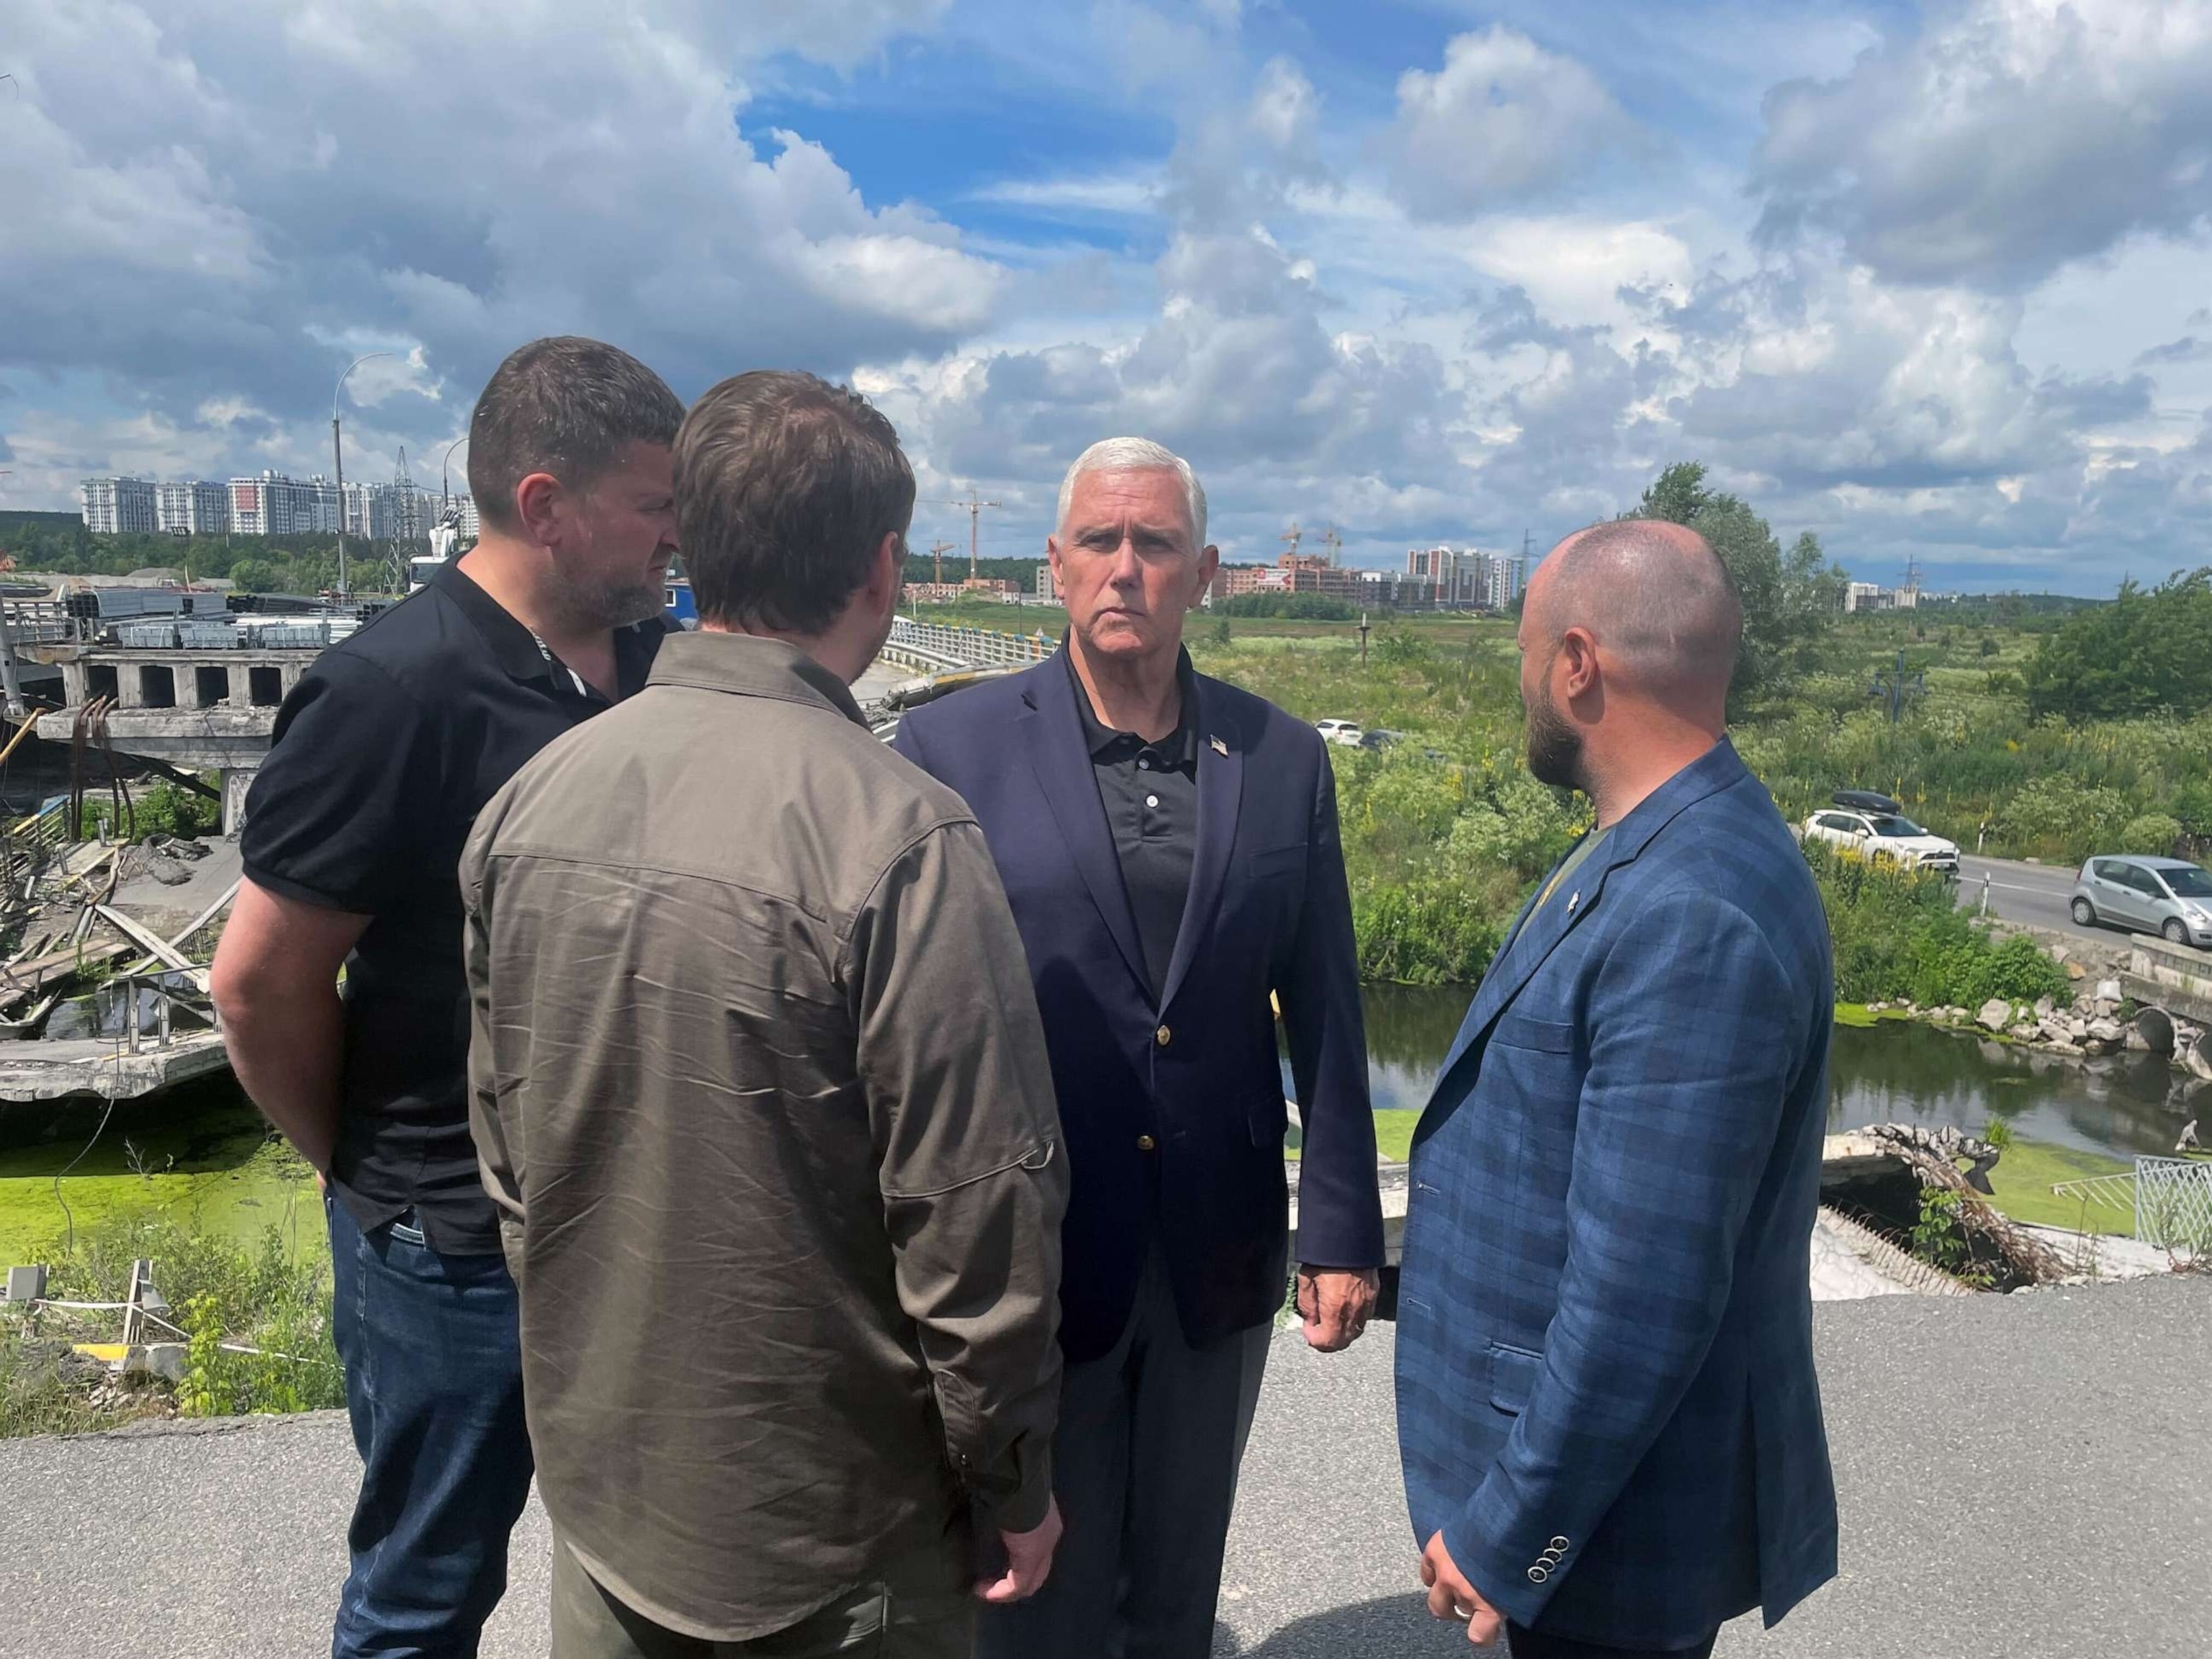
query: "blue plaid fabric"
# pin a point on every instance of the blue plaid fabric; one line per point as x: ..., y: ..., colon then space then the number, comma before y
x: 1605, y: 1396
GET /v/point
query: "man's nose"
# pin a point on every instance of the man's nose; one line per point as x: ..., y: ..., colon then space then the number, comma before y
x: 1128, y: 568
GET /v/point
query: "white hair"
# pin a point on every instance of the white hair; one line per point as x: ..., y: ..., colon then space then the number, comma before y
x: 1136, y: 455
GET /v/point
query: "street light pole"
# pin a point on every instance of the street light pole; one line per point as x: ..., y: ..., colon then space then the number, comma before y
x: 337, y: 462
x: 10, y: 681
x: 444, y: 478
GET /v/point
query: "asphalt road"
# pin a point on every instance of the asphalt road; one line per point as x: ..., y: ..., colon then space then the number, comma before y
x: 2025, y: 1477
x: 2037, y: 894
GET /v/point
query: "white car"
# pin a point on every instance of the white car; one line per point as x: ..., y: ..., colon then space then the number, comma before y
x: 1889, y: 836
x: 1345, y: 733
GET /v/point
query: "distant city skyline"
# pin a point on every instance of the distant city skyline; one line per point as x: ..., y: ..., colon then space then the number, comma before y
x: 1932, y: 281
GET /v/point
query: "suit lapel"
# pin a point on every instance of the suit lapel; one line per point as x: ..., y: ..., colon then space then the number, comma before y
x: 1053, y: 734
x: 1220, y: 798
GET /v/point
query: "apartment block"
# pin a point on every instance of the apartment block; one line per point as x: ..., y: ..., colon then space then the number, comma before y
x: 116, y: 506
x: 192, y: 506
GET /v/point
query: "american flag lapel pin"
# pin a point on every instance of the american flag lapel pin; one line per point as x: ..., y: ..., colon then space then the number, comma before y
x: 1219, y: 747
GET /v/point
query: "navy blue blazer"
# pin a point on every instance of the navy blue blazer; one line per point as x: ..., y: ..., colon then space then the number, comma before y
x: 1173, y: 1112
x: 1606, y: 1396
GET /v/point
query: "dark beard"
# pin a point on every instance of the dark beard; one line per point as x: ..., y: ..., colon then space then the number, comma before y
x: 605, y: 604
x: 1555, y: 748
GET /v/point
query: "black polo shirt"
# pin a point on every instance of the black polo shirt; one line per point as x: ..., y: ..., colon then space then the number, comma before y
x: 1149, y: 792
x: 383, y: 755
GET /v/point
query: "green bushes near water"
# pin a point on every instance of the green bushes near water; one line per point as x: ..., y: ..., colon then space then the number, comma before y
x: 1900, y: 935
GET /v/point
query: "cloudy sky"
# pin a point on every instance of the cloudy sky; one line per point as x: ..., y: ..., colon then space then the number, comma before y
x: 1932, y: 282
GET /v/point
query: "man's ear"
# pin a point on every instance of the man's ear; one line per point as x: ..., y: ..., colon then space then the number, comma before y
x: 540, y: 504
x: 1209, y: 562
x: 1579, y: 650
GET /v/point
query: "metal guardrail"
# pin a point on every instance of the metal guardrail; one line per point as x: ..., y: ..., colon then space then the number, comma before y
x: 2171, y: 1200
x: 952, y: 647
x: 42, y: 622
x: 2173, y: 1204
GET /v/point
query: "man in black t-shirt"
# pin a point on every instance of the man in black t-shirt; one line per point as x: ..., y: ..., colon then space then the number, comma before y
x: 383, y: 755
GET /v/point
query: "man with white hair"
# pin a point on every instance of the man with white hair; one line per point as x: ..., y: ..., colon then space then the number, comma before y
x: 1170, y: 846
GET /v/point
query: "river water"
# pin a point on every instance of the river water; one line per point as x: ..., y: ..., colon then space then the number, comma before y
x: 1894, y: 1072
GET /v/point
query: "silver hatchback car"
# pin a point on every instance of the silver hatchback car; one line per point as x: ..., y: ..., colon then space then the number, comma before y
x: 2153, y: 895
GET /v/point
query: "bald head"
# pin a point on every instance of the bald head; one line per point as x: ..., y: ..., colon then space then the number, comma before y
x: 1656, y: 597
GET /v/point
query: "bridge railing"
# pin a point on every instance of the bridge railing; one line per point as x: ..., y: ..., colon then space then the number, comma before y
x: 952, y: 646
x: 42, y: 622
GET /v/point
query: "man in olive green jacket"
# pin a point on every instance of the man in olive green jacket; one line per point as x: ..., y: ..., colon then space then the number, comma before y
x: 759, y: 1087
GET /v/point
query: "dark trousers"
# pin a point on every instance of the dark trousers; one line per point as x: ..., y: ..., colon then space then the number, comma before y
x: 933, y: 1620
x: 1145, y: 1466
x: 433, y: 1358
x: 1529, y: 1645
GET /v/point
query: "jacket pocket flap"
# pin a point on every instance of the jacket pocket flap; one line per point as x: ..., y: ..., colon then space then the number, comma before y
x: 1549, y: 1037
x: 1512, y: 1375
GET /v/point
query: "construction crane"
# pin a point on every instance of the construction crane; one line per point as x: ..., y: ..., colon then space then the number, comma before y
x: 1293, y: 536
x: 936, y: 551
x: 1333, y: 542
x: 974, y: 504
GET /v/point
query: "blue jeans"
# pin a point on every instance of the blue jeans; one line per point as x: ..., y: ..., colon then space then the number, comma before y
x: 433, y: 1352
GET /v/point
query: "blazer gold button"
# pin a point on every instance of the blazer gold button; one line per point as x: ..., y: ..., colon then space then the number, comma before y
x: 1146, y: 1143
x: 1539, y: 1575
x: 1163, y: 1036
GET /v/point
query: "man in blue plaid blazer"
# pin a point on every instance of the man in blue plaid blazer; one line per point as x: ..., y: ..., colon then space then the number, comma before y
x: 1606, y: 1407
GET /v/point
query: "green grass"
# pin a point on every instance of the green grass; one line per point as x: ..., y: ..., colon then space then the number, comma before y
x: 2029, y: 1169
x: 215, y: 1170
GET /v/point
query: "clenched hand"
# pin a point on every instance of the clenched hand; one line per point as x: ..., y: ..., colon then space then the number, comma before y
x: 1450, y: 1596
x: 1334, y: 1304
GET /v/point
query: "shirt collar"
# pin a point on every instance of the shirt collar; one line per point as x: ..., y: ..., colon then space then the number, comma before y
x: 747, y: 665
x: 1180, y: 746
x: 516, y: 648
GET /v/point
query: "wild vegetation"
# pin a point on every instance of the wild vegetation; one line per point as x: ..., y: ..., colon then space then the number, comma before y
x: 253, y: 1317
x: 1444, y: 832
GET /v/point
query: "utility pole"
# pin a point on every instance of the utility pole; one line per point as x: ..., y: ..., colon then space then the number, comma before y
x: 936, y: 551
x: 974, y: 504
x: 9, y: 678
x: 337, y: 462
x: 1363, y: 639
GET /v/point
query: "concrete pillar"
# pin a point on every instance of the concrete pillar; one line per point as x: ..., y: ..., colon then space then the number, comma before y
x: 236, y: 780
x: 126, y: 686
x: 73, y: 685
x: 187, y: 678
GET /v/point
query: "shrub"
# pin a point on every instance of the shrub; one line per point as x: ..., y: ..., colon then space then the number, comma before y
x: 1898, y: 933
x: 166, y: 809
x: 2154, y: 833
x: 1425, y: 932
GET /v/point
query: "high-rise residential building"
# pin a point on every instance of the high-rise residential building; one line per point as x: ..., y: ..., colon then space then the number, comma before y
x: 368, y: 511
x: 1445, y: 578
x: 192, y: 506
x: 115, y: 506
x: 1047, y: 585
x: 277, y: 505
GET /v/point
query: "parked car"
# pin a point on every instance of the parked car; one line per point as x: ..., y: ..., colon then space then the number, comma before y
x: 2153, y: 895
x: 1881, y: 832
x: 1378, y: 738
x: 1345, y: 733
